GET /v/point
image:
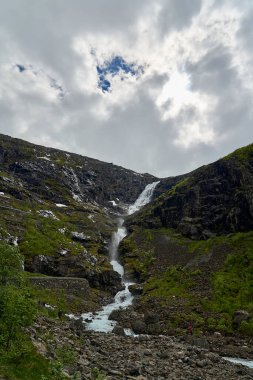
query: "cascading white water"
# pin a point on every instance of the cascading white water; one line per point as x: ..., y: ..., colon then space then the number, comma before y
x: 123, y: 299
x: 143, y: 199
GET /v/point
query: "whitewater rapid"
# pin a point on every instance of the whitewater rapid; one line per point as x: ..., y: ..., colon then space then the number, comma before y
x: 123, y: 299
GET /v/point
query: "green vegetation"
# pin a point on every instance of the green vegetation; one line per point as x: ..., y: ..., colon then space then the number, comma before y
x: 97, y: 374
x: 18, y: 309
x: 243, y: 154
x: 217, y: 282
x: 175, y: 281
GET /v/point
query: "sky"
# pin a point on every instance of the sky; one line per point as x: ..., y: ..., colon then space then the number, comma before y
x: 157, y: 86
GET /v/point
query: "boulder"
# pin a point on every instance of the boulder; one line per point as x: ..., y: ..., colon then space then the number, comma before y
x: 115, y: 315
x: 151, y: 318
x: 136, y: 289
x: 239, y: 317
x: 139, y: 327
x: 118, y: 330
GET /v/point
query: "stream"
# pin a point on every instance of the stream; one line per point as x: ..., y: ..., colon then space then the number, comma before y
x: 123, y: 299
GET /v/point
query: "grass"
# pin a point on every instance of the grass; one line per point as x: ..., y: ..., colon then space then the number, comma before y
x: 230, y: 286
x: 32, y: 366
x: 173, y: 282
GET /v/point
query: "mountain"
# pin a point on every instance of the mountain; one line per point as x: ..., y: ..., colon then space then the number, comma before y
x: 191, y: 249
x: 61, y: 209
x: 215, y: 199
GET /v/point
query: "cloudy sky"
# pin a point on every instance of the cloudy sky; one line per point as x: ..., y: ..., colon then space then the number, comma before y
x: 158, y: 86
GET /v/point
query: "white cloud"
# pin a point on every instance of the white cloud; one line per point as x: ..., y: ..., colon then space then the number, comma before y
x: 196, y: 88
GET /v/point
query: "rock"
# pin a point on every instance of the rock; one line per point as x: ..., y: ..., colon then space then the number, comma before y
x: 136, y: 289
x: 139, y: 327
x: 107, y: 280
x: 118, y: 330
x: 239, y: 317
x: 151, y: 317
x: 41, y: 348
x: 77, y: 324
x: 115, y: 315
x: 217, y: 334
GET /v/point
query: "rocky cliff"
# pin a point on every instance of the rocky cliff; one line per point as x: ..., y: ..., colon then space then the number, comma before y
x: 215, y: 199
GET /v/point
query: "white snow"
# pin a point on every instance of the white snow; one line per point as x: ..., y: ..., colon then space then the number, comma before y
x: 63, y: 252
x: 60, y: 205
x: 91, y: 217
x: 76, y: 197
x: 47, y: 214
x: 50, y: 307
x: 44, y: 158
x: 1, y: 193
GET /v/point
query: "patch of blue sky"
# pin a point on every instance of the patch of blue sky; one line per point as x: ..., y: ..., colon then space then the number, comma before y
x: 21, y: 68
x: 116, y: 66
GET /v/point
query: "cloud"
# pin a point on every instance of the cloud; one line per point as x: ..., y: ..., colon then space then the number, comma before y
x: 176, y: 79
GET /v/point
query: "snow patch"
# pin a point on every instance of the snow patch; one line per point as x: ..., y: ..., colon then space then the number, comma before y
x: 47, y: 214
x: 76, y: 197
x: 91, y: 217
x: 44, y: 158
x: 80, y: 236
x: 63, y: 252
x: 50, y: 307
x: 60, y: 205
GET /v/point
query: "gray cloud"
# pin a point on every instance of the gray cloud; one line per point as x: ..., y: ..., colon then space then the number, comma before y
x: 129, y: 126
x: 177, y: 14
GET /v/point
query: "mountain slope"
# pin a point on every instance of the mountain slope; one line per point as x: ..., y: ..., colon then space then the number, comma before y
x: 214, y: 199
x: 191, y: 249
x: 61, y: 209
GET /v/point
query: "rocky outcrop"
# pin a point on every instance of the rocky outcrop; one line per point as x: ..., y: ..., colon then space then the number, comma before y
x: 57, y: 175
x: 215, y: 199
x: 75, y: 286
x: 75, y: 266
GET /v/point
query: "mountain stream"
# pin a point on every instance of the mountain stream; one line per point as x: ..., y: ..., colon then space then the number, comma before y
x: 123, y: 299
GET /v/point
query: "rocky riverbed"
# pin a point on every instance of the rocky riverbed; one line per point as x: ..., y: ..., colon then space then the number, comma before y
x: 129, y: 358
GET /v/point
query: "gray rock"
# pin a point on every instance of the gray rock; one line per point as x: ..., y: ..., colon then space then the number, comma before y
x: 239, y: 317
x: 118, y: 330
x: 151, y: 317
x: 139, y: 327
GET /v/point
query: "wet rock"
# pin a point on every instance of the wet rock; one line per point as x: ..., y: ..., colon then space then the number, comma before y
x: 77, y: 324
x: 136, y: 289
x: 115, y: 315
x: 139, y: 327
x: 118, y: 330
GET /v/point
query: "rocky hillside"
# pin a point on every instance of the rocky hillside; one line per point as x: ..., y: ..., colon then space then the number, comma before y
x: 215, y: 199
x: 191, y: 250
x: 61, y: 208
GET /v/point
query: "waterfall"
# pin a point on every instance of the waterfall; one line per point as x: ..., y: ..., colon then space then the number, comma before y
x: 143, y: 199
x: 124, y: 298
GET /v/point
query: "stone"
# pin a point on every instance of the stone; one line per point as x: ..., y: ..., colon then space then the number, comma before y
x: 136, y: 289
x: 240, y: 316
x: 118, y: 330
x: 139, y: 327
x: 151, y: 317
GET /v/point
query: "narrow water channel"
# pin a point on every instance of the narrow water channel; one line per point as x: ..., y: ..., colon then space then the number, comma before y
x: 123, y: 299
